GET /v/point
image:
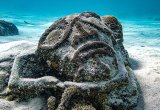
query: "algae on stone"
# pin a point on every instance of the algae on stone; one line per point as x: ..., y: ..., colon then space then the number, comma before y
x: 81, y: 63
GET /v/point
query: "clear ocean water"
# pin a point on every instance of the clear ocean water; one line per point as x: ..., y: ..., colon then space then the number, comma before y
x: 140, y: 18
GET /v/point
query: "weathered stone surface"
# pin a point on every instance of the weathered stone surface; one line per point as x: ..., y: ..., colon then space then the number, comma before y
x: 87, y: 47
x: 8, y: 29
x: 117, y: 35
x: 73, y: 44
x: 7, y: 55
x: 80, y: 63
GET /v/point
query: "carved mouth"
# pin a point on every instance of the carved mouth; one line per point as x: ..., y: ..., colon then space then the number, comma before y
x: 96, y: 69
x: 121, y: 78
x: 90, y: 49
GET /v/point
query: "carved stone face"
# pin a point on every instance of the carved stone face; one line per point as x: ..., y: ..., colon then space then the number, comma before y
x: 80, y: 48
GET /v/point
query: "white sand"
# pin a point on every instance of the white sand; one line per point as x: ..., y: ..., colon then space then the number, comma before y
x: 148, y: 74
x: 20, y: 44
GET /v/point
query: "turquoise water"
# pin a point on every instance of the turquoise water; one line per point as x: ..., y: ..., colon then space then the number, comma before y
x: 120, y: 8
x: 31, y: 31
x: 140, y: 19
x: 145, y: 33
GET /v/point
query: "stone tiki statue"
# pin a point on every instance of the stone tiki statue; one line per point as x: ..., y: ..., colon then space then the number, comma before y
x: 80, y: 64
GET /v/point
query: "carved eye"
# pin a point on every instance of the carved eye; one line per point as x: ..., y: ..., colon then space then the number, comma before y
x: 53, y: 37
x: 113, y: 26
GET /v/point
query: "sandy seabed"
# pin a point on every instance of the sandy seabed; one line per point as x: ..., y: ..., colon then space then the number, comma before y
x: 146, y: 65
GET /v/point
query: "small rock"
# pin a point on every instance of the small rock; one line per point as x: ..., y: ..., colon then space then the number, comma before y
x: 8, y: 29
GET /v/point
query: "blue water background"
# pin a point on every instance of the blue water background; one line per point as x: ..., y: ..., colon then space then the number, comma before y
x: 140, y: 18
x: 120, y: 8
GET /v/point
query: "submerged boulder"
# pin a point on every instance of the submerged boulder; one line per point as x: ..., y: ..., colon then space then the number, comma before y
x: 8, y: 29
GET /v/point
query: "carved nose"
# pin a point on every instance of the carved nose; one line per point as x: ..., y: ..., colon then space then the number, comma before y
x: 81, y: 35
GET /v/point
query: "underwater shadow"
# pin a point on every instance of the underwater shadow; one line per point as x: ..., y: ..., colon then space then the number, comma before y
x: 135, y: 64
